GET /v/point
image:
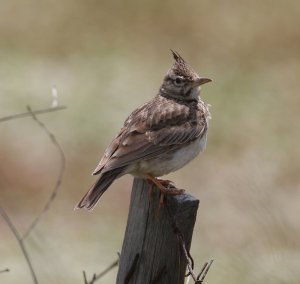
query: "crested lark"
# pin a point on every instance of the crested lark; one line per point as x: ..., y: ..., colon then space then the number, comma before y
x: 159, y: 137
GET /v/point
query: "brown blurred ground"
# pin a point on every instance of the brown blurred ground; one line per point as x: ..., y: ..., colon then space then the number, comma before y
x: 106, y: 58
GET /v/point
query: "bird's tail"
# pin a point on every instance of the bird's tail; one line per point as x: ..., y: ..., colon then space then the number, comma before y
x: 91, y: 198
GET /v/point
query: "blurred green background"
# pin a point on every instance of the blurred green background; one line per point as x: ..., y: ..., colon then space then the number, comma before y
x: 108, y: 57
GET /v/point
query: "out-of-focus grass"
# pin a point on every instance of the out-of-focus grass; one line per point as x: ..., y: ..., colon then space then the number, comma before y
x: 108, y: 58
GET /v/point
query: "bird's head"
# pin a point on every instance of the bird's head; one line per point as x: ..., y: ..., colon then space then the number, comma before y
x: 182, y: 81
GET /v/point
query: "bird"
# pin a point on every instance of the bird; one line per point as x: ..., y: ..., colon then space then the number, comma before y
x: 159, y: 137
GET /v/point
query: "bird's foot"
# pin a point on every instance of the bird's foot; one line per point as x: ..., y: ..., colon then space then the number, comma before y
x: 166, y: 187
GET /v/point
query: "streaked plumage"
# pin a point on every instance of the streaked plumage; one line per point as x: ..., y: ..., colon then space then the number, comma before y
x: 159, y: 137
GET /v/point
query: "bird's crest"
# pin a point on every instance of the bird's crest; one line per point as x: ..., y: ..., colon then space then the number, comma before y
x: 181, y: 68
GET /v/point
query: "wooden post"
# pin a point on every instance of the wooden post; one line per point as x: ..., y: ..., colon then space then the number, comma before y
x: 151, y: 251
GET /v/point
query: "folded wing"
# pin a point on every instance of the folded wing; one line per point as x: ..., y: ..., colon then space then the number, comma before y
x: 150, y: 131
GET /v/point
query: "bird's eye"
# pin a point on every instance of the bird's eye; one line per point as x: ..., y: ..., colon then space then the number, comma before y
x: 178, y: 81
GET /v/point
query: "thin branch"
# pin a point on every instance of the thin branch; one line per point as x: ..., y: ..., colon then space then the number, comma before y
x: 84, y: 277
x: 20, y: 242
x: 20, y: 239
x: 190, y: 263
x: 25, y: 114
x: 114, y: 264
x: 97, y: 277
x: 4, y: 270
x: 59, y: 177
x: 204, y: 271
x: 188, y: 258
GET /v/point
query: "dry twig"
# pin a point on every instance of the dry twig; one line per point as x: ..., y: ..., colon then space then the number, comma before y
x: 190, y: 263
x: 98, y: 276
x: 25, y: 114
x: 59, y: 177
x: 20, y: 239
x: 20, y: 242
x: 84, y: 277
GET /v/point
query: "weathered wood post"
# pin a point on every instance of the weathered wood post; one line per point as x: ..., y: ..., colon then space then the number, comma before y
x: 151, y: 251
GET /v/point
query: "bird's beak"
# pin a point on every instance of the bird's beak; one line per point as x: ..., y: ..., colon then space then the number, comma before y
x: 201, y: 81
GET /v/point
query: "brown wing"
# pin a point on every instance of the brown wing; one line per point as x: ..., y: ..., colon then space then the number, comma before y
x: 156, y: 127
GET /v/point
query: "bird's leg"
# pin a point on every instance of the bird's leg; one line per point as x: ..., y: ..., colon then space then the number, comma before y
x: 165, y: 187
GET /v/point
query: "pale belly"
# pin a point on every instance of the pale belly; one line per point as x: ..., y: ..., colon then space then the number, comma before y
x: 169, y: 161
